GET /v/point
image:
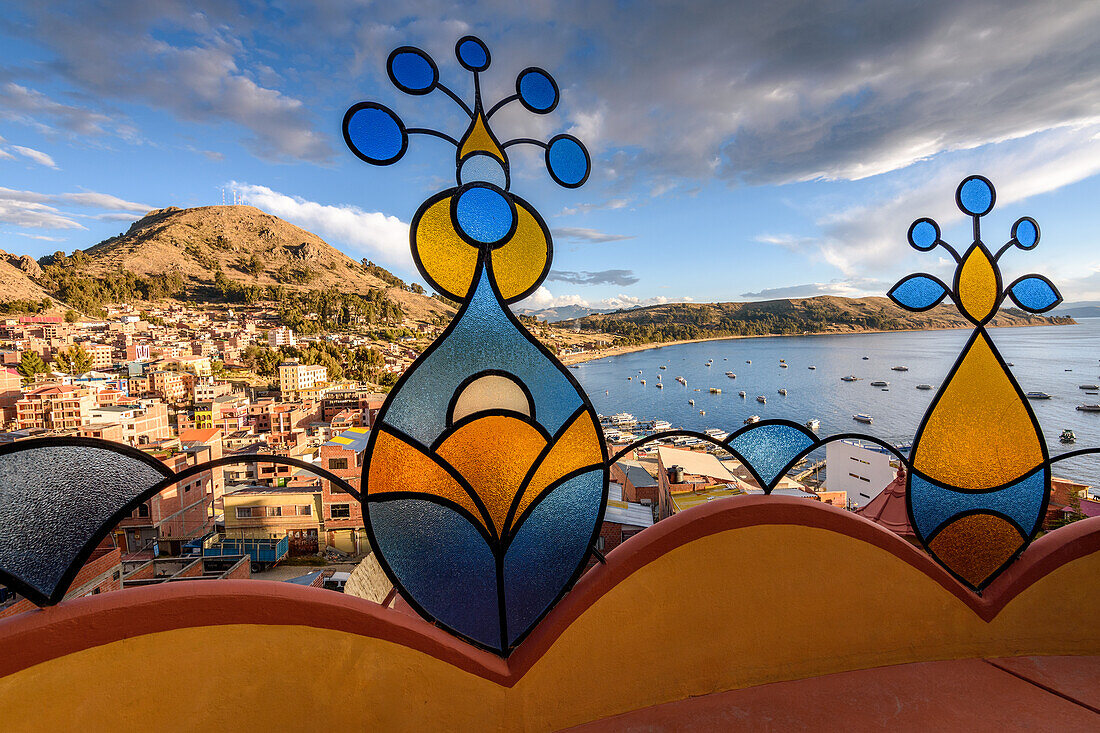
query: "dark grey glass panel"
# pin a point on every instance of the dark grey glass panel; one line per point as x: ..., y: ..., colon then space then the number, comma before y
x: 54, y: 499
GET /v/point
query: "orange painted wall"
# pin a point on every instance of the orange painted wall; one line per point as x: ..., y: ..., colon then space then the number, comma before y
x: 738, y: 600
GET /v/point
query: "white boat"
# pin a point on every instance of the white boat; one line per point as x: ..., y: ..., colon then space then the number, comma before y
x: 731, y: 375
x: 762, y: 399
x: 813, y: 423
x: 850, y: 378
x: 924, y: 386
x: 1089, y: 408
x: 783, y: 392
x: 702, y: 412
x: 741, y: 393
x: 643, y: 382
x: 867, y: 419
x: 682, y: 381
x: 876, y: 383
x: 623, y: 418
x: 662, y: 367
x: 1037, y: 396
x: 811, y: 367
x: 900, y: 368
x: 662, y: 425
x: 716, y: 433
x: 691, y: 402
x: 1089, y: 386
x: 659, y: 385
x: 716, y: 390
x: 751, y: 419
x: 784, y: 366
x: 748, y: 361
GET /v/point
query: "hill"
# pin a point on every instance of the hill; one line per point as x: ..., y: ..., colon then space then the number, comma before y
x: 16, y: 279
x: 823, y: 314
x: 250, y: 248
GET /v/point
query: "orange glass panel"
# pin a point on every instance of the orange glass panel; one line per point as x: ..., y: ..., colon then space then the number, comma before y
x: 401, y: 467
x: 977, y: 285
x: 445, y: 257
x: 577, y: 447
x: 518, y: 264
x: 974, y: 546
x: 494, y: 453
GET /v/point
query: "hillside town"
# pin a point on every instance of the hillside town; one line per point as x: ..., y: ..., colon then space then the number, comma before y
x: 189, y: 385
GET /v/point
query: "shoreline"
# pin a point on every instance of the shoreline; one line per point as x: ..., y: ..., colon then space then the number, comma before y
x: 571, y: 359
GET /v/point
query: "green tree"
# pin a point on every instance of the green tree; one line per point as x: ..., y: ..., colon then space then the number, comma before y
x: 30, y: 364
x: 71, y: 316
x: 74, y: 360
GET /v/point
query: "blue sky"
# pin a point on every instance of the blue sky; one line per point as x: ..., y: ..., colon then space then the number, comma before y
x: 741, y: 150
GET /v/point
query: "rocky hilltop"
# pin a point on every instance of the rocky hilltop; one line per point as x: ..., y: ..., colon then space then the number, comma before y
x: 17, y: 273
x: 823, y: 314
x: 249, y: 247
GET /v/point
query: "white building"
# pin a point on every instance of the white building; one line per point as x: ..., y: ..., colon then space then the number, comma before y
x: 862, y: 470
x: 281, y: 336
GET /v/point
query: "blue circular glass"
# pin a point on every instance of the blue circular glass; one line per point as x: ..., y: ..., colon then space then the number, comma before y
x: 473, y: 54
x: 924, y: 235
x: 376, y: 134
x: 484, y: 215
x: 413, y: 71
x: 537, y: 90
x: 975, y: 196
x: 1026, y: 233
x: 567, y: 161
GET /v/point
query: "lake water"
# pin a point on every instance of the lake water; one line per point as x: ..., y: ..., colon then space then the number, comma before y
x: 1041, y: 356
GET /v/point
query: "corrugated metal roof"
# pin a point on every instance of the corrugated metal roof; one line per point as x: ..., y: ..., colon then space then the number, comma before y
x: 353, y: 439
x: 625, y: 512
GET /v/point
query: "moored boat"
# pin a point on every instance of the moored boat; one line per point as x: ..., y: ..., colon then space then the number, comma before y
x: 1089, y: 408
x: 1067, y: 436
x: 752, y: 419
x: 1038, y: 396
x: 880, y: 383
x: 850, y: 378
x: 924, y: 386
x: 861, y: 417
x: 783, y: 392
x: 900, y: 368
x: 762, y: 399
x: 813, y: 423
x: 742, y: 393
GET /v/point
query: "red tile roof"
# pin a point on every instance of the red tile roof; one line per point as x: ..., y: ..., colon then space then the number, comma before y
x: 888, y: 508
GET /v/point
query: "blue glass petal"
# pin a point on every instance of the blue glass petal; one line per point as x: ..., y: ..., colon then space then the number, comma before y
x: 975, y: 196
x: 924, y: 234
x: 413, y: 71
x: 547, y: 549
x: 473, y: 54
x: 483, y: 339
x: 933, y: 505
x: 484, y: 215
x: 82, y: 489
x: 443, y: 563
x: 769, y: 448
x: 1035, y: 294
x: 567, y: 160
x: 917, y: 292
x: 1026, y: 233
x: 537, y: 90
x: 376, y: 134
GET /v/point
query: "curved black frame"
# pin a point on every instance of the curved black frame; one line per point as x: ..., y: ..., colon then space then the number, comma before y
x: 170, y: 478
x: 355, y: 108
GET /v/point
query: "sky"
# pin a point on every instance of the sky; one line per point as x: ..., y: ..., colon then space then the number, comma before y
x: 741, y: 150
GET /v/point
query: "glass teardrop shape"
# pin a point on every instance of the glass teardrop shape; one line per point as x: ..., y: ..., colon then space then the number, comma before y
x: 979, y: 481
x: 486, y: 476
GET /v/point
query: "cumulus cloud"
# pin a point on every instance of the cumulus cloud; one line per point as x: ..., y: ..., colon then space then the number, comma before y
x: 854, y: 288
x: 603, y: 277
x: 36, y: 156
x: 36, y: 210
x: 183, y: 57
x: 31, y: 107
x: 581, y: 234
x: 377, y: 236
x: 543, y: 298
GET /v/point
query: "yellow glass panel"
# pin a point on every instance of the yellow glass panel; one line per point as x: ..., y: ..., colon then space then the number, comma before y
x: 518, y: 263
x: 976, y: 545
x: 398, y: 466
x: 980, y: 434
x: 444, y: 256
x: 478, y: 140
x: 494, y: 453
x: 577, y: 447
x: 977, y: 285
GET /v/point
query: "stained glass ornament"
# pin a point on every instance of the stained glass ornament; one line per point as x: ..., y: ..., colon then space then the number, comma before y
x: 52, y: 518
x: 980, y: 477
x: 486, y: 476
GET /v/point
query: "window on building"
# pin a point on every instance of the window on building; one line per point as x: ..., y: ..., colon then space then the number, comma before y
x: 244, y: 512
x: 600, y: 542
x: 337, y: 463
x: 861, y: 478
x: 341, y: 511
x: 274, y: 511
x: 143, y: 510
x: 304, y: 511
